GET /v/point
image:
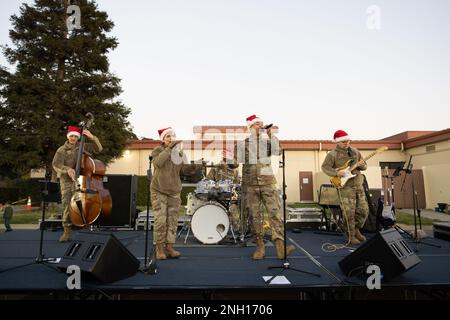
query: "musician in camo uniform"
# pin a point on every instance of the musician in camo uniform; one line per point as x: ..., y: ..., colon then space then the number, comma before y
x: 224, y: 171
x: 352, y: 196
x: 260, y: 184
x: 64, y: 163
x: 168, y: 161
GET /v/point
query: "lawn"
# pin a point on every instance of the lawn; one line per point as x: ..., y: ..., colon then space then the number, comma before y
x: 408, y: 219
x: 25, y: 217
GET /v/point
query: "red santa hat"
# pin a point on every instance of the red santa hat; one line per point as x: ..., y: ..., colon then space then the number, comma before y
x: 163, y: 132
x: 252, y: 120
x: 73, y: 131
x: 340, y: 136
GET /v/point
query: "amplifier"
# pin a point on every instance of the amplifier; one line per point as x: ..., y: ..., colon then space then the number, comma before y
x: 123, y: 190
x: 441, y: 230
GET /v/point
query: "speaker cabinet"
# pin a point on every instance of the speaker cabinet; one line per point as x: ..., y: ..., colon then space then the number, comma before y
x: 123, y: 189
x: 441, y: 230
x: 101, y: 256
x: 387, y: 249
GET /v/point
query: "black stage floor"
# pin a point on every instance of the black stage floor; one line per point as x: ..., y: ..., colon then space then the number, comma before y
x: 222, y: 271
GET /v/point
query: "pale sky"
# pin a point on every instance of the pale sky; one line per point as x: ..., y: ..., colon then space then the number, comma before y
x: 310, y: 67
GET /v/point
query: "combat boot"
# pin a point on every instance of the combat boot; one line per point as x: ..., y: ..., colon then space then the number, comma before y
x: 279, y: 246
x: 260, y: 249
x: 352, y: 239
x: 171, y: 252
x: 160, y: 254
x: 66, y: 235
x: 359, y: 236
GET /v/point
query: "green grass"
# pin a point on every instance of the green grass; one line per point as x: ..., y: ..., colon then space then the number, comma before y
x: 25, y: 217
x: 408, y: 219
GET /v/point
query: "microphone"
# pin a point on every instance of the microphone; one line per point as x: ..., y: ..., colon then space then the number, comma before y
x: 268, y: 126
x: 150, y: 157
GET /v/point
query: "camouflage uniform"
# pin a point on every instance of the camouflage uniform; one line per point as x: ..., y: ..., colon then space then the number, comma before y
x: 259, y: 182
x: 353, y: 198
x: 225, y: 172
x: 165, y: 192
x: 66, y: 158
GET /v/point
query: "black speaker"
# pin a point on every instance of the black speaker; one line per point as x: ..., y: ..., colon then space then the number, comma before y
x: 123, y: 190
x: 101, y: 256
x: 387, y: 249
x: 441, y: 230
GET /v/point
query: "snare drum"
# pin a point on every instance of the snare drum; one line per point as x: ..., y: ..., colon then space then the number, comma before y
x: 210, y: 223
x: 224, y: 189
x: 205, y: 189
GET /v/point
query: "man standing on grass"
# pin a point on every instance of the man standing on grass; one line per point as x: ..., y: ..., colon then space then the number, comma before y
x: 7, y: 216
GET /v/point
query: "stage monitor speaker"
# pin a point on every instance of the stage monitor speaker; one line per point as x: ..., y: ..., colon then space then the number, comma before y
x: 101, y: 256
x: 123, y: 190
x: 387, y: 249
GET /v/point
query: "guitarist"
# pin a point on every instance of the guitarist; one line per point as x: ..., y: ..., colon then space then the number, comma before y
x: 353, y: 199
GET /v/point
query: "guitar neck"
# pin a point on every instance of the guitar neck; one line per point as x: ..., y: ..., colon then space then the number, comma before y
x: 353, y: 167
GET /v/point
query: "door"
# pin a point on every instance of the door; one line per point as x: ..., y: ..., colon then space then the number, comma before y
x: 306, y: 186
x: 403, y: 191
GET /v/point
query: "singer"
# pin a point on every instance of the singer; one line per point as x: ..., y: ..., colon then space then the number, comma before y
x: 165, y: 191
x: 260, y: 185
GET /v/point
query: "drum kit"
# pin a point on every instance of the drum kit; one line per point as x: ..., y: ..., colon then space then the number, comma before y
x: 208, y: 209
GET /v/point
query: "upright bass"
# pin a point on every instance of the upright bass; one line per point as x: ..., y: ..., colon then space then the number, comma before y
x: 90, y: 200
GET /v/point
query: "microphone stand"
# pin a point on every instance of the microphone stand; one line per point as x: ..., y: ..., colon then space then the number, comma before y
x: 416, y: 210
x: 286, y: 264
x: 149, y: 268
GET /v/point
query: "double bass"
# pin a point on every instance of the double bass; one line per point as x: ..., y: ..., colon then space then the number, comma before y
x: 90, y: 200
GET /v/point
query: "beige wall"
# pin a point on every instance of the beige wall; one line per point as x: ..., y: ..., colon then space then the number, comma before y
x: 436, y: 172
x: 435, y: 166
x: 132, y: 162
x: 297, y: 161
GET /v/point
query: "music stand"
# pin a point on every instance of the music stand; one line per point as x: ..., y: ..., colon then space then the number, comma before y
x: 50, y: 192
x: 149, y: 268
x: 286, y: 264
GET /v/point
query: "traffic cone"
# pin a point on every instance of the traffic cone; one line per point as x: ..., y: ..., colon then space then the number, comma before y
x: 29, y: 203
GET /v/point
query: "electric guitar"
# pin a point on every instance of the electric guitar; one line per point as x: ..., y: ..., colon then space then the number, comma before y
x: 388, y: 204
x: 339, y: 182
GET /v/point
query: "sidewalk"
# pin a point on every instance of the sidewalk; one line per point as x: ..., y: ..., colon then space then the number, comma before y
x: 430, y: 214
x: 21, y: 227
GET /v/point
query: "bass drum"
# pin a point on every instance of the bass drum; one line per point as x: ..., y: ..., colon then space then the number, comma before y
x: 210, y: 223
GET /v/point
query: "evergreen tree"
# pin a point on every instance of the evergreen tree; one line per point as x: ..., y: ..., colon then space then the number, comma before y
x: 59, y: 76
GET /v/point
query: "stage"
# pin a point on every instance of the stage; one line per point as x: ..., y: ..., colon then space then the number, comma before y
x: 217, y: 272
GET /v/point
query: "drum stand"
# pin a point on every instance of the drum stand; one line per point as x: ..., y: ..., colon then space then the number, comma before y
x: 186, y: 226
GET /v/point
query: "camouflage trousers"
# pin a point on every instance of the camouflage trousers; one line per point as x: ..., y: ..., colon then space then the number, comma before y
x: 246, y: 225
x: 267, y: 196
x: 354, y: 207
x: 235, y: 216
x: 165, y: 214
x: 67, y: 191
